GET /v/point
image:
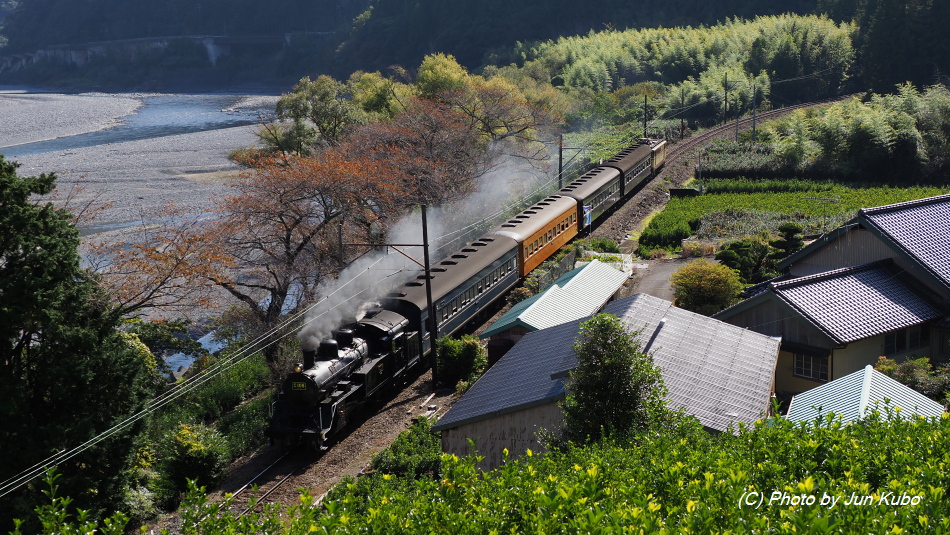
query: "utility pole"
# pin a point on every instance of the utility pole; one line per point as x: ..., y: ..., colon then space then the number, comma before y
x: 682, y: 111
x: 430, y: 324
x: 433, y: 333
x: 725, y: 99
x: 560, y: 161
x: 644, y: 115
x: 753, y: 110
x: 738, y: 115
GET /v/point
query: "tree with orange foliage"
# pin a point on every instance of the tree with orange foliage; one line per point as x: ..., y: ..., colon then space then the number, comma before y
x: 166, y: 266
x: 429, y: 148
x: 269, y: 244
x: 275, y: 239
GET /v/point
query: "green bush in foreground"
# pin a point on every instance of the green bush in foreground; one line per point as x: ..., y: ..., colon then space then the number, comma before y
x: 776, y: 477
x: 887, y: 476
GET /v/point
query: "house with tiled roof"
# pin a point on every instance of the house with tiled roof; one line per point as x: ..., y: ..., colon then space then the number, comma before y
x: 721, y: 374
x: 878, y: 285
x: 854, y: 396
x: 915, y: 235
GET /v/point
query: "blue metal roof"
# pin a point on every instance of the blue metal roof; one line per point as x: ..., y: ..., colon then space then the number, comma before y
x: 853, y: 396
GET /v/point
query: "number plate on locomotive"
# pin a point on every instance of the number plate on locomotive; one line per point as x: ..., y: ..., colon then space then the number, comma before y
x: 299, y: 385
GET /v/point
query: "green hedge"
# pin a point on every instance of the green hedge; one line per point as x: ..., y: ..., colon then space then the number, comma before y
x: 775, y: 477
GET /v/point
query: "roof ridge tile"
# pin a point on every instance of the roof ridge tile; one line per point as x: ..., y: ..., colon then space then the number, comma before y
x: 903, y: 205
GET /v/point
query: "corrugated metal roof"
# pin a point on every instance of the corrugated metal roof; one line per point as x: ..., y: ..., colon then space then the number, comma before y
x: 853, y: 396
x: 576, y: 294
x: 855, y: 303
x: 719, y: 373
x: 521, y: 379
x: 920, y: 228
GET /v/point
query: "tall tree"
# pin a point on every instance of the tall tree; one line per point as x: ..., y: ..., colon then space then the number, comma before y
x: 66, y: 373
x: 320, y: 113
x: 616, y: 388
x: 513, y: 118
x: 275, y: 239
x: 430, y: 148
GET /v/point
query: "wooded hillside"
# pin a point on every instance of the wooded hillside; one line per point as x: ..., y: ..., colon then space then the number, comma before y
x: 364, y: 35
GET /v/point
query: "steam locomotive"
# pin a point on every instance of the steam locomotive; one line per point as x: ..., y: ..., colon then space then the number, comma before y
x: 353, y: 367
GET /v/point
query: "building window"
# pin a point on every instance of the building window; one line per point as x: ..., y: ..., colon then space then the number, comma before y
x: 904, y: 339
x: 811, y: 366
x: 944, y: 349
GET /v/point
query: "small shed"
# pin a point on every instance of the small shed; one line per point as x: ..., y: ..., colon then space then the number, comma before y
x: 855, y: 395
x: 578, y: 293
x: 719, y: 373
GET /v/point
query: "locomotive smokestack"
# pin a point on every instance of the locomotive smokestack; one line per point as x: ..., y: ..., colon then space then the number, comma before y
x: 308, y: 346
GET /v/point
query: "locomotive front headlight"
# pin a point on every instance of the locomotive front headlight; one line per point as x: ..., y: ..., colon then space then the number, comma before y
x: 298, y: 368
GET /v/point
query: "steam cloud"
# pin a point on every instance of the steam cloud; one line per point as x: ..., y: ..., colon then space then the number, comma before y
x: 373, y: 275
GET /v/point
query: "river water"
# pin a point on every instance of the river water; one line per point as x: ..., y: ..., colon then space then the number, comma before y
x: 134, y: 152
x: 155, y: 116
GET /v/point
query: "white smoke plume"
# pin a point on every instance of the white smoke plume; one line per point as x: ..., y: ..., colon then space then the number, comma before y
x: 373, y: 275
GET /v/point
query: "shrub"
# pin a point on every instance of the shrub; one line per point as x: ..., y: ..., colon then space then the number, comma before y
x: 458, y: 359
x: 228, y: 389
x: 415, y: 452
x: 194, y: 452
x: 705, y: 287
x: 920, y: 375
x: 518, y: 295
x: 604, y: 245
x: 751, y: 258
x: 243, y: 428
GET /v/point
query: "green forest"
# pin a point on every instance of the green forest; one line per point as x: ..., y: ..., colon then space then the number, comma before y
x: 892, y: 42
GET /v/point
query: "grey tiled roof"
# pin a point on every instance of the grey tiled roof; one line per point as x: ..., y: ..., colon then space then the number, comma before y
x: 719, y: 373
x: 854, y: 395
x: 920, y: 228
x: 854, y: 303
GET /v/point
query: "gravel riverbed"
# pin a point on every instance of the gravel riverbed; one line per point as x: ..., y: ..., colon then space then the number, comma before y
x: 134, y: 178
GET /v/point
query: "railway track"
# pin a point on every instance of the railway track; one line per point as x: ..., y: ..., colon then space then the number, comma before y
x: 683, y: 147
x: 250, y: 496
x: 653, y: 196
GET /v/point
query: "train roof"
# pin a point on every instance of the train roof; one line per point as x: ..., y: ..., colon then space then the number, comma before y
x: 530, y: 221
x: 451, y: 271
x: 630, y: 156
x: 589, y: 183
x: 384, y: 320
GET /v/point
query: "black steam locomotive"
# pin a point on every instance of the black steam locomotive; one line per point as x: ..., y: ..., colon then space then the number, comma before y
x: 360, y: 360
